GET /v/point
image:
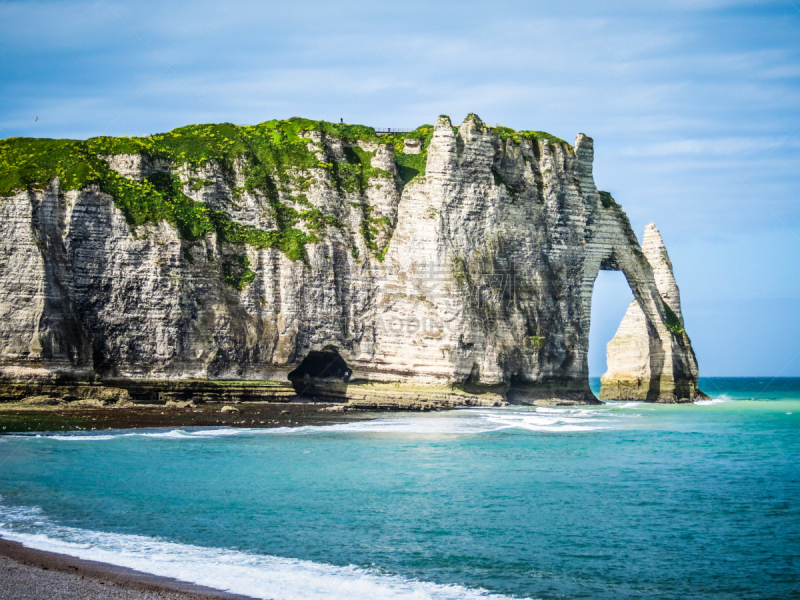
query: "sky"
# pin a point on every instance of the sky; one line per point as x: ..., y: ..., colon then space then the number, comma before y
x: 694, y: 107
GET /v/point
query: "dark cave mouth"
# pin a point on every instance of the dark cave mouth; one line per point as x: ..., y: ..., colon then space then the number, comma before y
x: 326, y: 365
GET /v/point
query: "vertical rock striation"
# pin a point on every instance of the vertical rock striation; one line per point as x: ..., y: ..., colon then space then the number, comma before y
x: 460, y: 260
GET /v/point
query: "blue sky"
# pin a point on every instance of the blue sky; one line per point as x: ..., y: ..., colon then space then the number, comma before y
x: 694, y: 107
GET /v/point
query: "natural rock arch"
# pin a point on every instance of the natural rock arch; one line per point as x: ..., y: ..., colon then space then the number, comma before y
x: 651, y: 357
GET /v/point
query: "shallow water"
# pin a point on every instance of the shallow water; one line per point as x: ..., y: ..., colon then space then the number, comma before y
x: 617, y: 501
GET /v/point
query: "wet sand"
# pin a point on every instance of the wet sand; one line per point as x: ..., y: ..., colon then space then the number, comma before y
x: 18, y: 418
x: 27, y: 574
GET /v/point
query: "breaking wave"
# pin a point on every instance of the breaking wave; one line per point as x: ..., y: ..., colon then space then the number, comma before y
x: 254, y: 575
x: 457, y: 422
x: 719, y: 400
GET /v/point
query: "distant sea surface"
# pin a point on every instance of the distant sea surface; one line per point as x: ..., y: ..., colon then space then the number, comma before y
x: 626, y: 500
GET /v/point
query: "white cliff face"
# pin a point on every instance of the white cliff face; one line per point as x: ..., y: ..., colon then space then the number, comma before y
x: 40, y: 334
x: 656, y: 253
x: 477, y: 273
x: 633, y: 361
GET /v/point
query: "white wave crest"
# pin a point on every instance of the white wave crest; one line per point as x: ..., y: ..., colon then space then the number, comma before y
x: 550, y: 419
x: 452, y: 423
x: 629, y: 405
x: 253, y: 575
x: 174, y: 434
x: 718, y: 400
x: 179, y: 434
x: 456, y: 422
x: 77, y: 437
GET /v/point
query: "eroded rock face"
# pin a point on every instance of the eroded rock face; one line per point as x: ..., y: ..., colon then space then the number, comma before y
x: 486, y: 282
x: 636, y: 369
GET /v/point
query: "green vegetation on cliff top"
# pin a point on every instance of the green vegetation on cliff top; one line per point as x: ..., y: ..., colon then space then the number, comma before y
x: 508, y: 133
x: 275, y: 157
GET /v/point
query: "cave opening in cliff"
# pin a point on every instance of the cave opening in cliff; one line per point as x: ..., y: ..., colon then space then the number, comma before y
x: 319, y: 366
x: 610, y: 299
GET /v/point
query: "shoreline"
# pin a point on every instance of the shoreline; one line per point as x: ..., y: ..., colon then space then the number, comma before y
x: 20, y: 418
x: 30, y: 574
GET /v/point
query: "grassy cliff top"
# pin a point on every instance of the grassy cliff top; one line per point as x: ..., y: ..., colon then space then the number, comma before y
x: 33, y: 162
x: 275, y: 157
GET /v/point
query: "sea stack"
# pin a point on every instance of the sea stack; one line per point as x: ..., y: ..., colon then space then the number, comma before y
x: 645, y: 362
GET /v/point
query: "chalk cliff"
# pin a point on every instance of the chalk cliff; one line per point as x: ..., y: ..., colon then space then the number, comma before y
x: 443, y: 261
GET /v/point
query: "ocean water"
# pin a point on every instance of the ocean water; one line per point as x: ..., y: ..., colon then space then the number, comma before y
x: 626, y: 500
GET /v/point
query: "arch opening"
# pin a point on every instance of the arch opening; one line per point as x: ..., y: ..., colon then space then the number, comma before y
x: 611, y: 298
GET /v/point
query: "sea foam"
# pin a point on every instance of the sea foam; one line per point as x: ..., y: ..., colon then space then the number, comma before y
x: 550, y: 419
x: 719, y: 400
x: 258, y: 576
x: 457, y: 422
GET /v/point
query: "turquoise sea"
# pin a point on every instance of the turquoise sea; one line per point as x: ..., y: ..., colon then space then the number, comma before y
x: 626, y: 500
